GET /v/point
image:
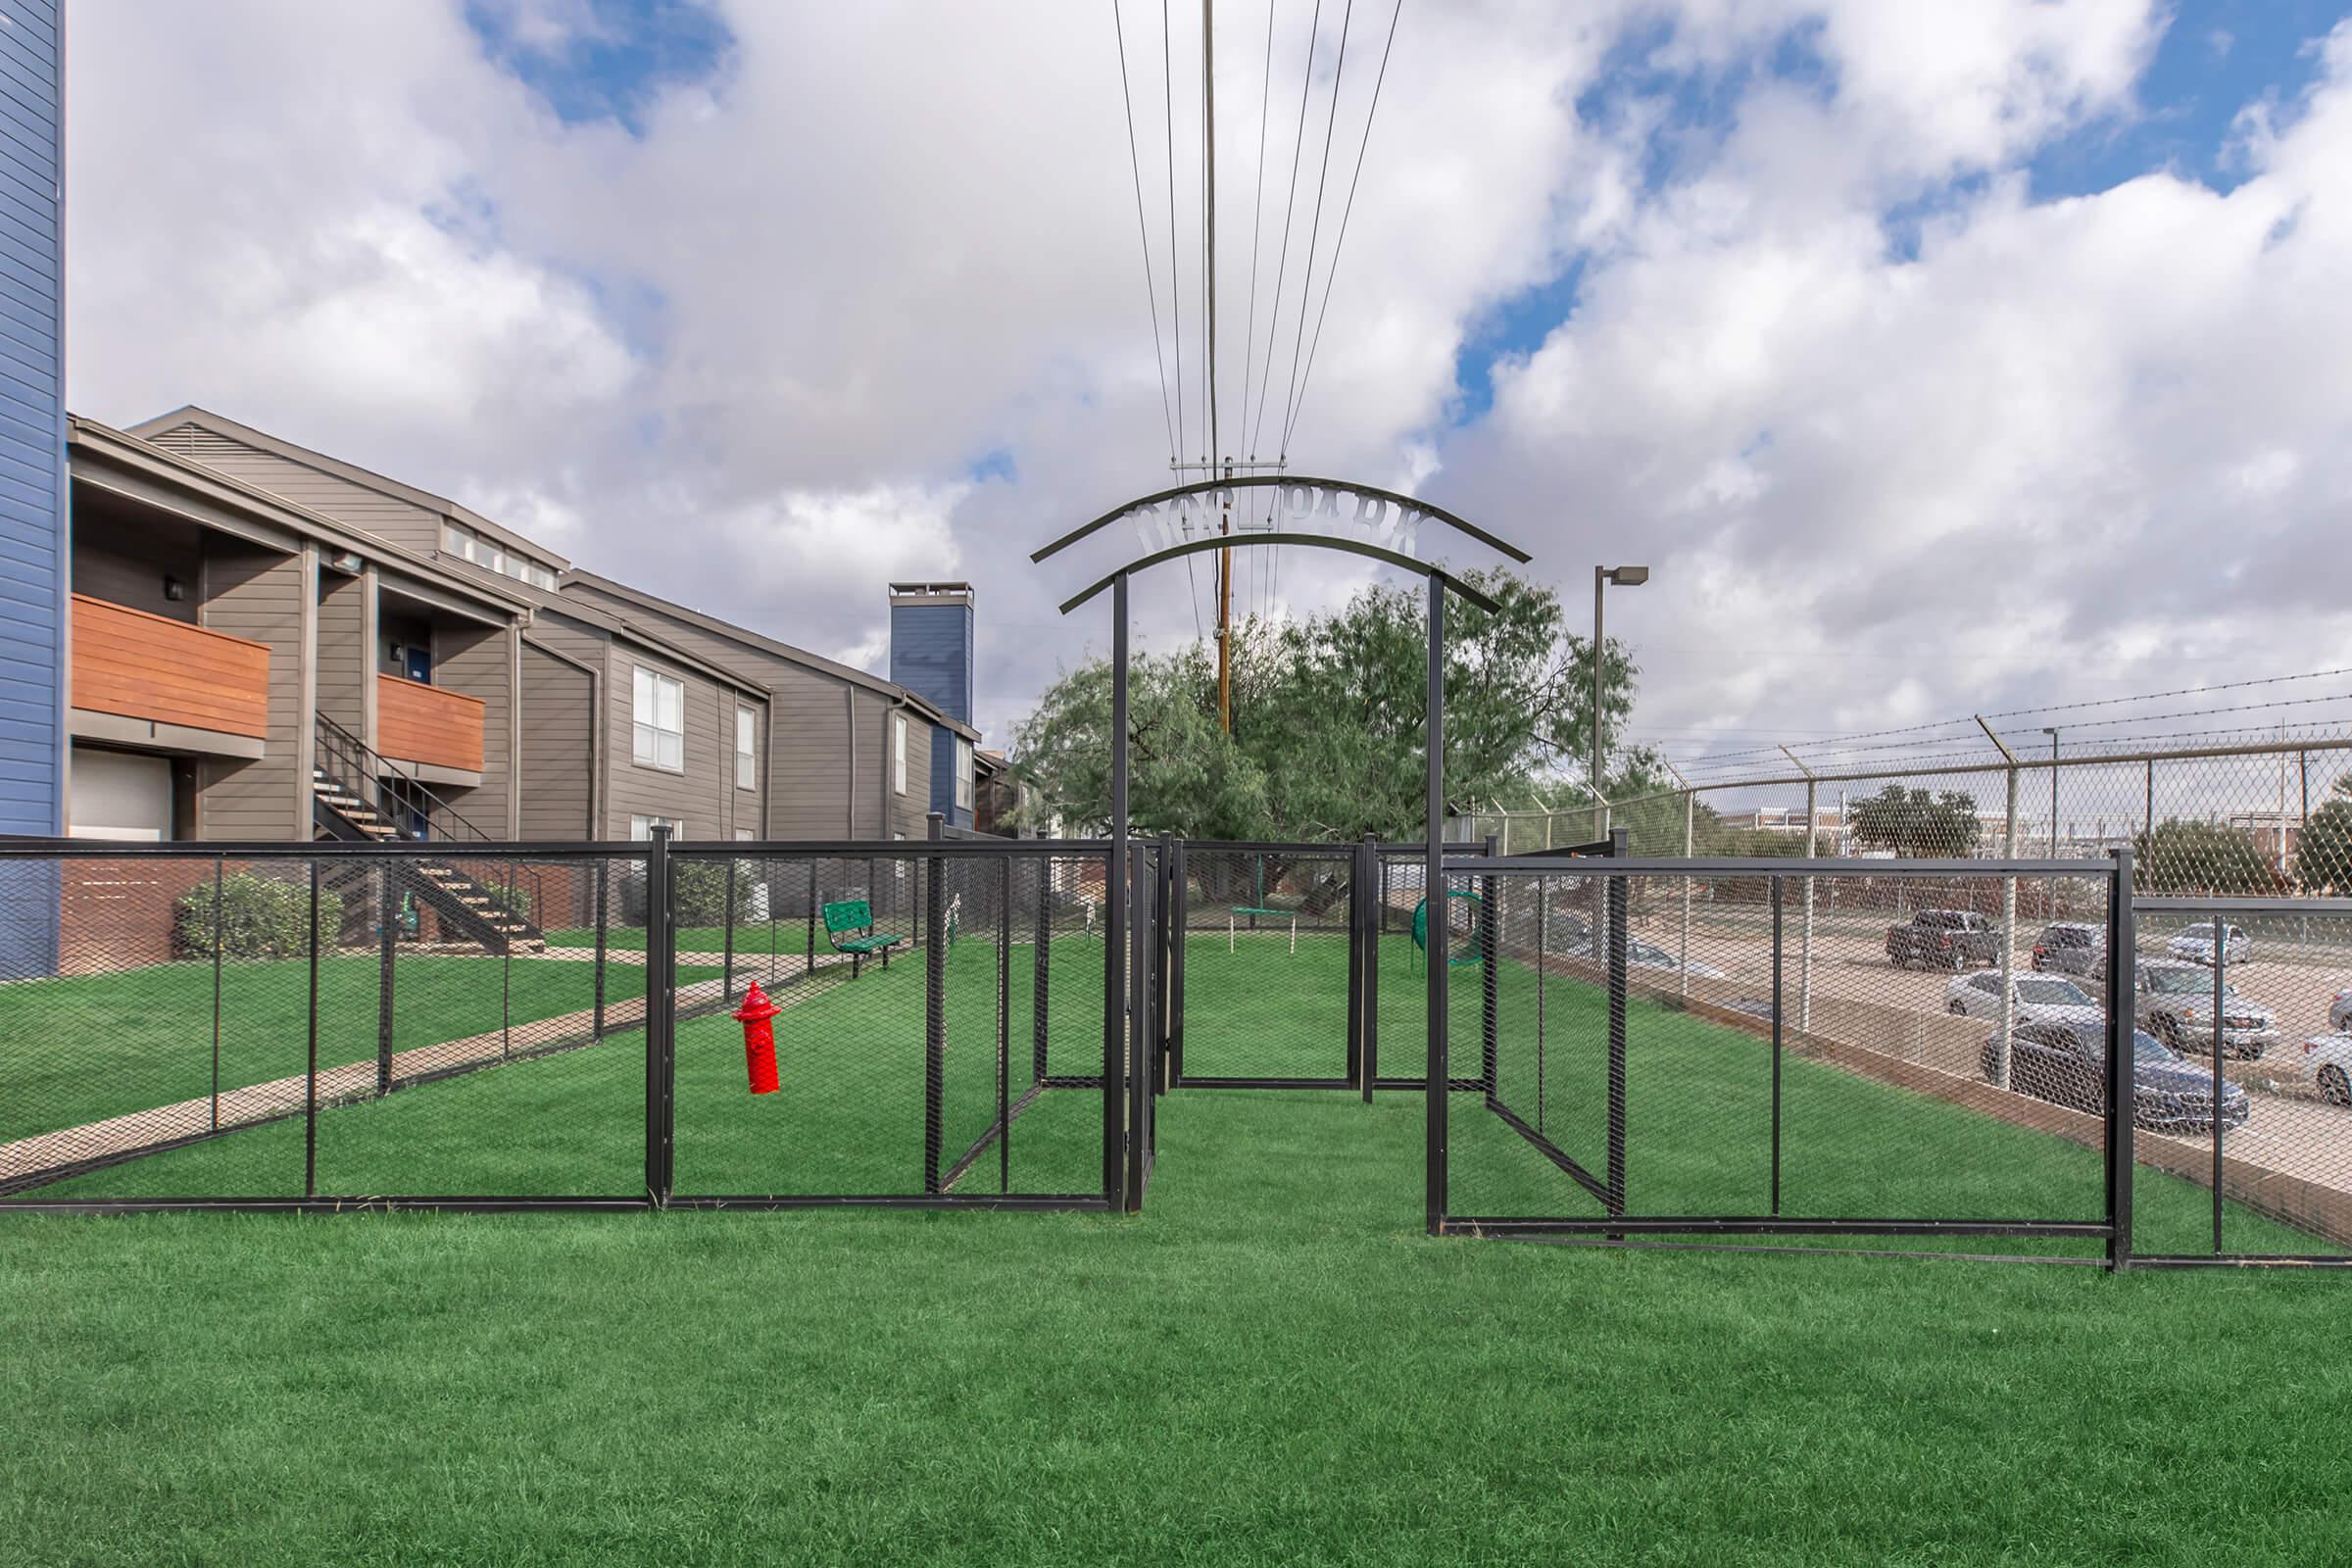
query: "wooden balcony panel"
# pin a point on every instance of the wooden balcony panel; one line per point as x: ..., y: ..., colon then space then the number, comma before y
x: 141, y: 665
x: 419, y: 724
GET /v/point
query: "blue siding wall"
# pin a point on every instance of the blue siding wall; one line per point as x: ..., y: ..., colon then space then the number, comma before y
x: 931, y: 654
x: 32, y: 470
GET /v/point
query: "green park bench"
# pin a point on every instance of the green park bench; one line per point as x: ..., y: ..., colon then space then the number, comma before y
x: 850, y: 927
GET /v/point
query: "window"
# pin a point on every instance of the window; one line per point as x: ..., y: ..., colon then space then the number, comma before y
x: 963, y: 774
x: 746, y: 725
x: 660, y: 729
x: 458, y: 541
x: 897, y: 751
x: 742, y: 835
x: 543, y: 577
x: 642, y: 828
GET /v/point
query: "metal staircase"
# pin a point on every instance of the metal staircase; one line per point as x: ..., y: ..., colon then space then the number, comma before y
x: 350, y: 800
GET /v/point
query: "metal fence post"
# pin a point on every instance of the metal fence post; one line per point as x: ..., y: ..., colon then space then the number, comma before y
x: 604, y: 885
x: 1778, y: 948
x: 1490, y: 994
x: 310, y: 1094
x: 1004, y: 1026
x: 1616, y: 939
x: 1804, y: 983
x: 506, y: 971
x: 1040, y: 973
x: 935, y: 1009
x: 2123, y: 1093
x: 387, y: 916
x: 2220, y: 963
x: 219, y: 895
x: 727, y: 923
x: 661, y: 976
x: 2008, y: 1023
x: 1371, y: 877
x: 1689, y: 841
x: 1432, y: 894
x: 809, y: 953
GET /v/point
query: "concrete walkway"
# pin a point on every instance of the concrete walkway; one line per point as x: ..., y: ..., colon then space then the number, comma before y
x: 353, y: 1080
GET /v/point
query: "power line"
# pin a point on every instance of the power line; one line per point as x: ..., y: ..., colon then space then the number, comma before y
x: 1143, y: 232
x: 1289, y: 211
x: 1258, y: 224
x: 1314, y: 231
x: 1298, y: 399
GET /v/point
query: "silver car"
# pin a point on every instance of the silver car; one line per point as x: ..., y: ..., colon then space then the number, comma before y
x: 2174, y: 1002
x: 2194, y: 944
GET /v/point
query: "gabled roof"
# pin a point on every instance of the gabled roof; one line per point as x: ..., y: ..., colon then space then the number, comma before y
x: 590, y: 582
x: 160, y: 464
x: 277, y: 446
x: 570, y: 607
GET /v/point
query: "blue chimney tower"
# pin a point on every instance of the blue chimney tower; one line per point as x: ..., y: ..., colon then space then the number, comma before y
x: 931, y: 656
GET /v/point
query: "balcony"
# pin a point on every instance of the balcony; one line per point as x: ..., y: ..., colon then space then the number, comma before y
x: 143, y: 679
x: 437, y: 731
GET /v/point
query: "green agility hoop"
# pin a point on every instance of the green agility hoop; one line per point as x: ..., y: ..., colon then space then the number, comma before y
x: 1476, y: 953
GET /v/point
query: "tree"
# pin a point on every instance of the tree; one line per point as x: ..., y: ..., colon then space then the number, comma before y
x: 1915, y: 824
x: 2188, y: 856
x: 2324, y: 851
x: 1329, y: 720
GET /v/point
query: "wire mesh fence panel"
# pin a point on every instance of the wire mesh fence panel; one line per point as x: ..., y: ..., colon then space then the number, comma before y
x: 1767, y: 1051
x: 165, y: 1004
x: 2243, y: 1082
x: 1260, y: 921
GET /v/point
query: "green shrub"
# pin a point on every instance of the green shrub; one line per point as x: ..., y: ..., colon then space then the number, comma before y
x: 515, y: 900
x: 259, y: 917
x: 701, y: 891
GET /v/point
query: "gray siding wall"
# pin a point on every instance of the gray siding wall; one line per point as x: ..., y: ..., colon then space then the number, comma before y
x: 476, y: 663
x: 557, y: 759
x: 262, y: 595
x: 121, y: 572
x: 882, y: 811
x: 345, y: 662
x: 692, y: 797
x: 32, y: 441
x: 809, y: 765
x: 386, y: 516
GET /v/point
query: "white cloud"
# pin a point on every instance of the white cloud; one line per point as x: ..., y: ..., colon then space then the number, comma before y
x: 751, y: 357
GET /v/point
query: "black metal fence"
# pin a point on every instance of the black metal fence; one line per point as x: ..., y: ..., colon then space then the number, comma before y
x: 1717, y: 1053
x: 341, y: 1025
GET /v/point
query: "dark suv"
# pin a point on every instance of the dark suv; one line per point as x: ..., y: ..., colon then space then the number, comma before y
x: 1944, y: 939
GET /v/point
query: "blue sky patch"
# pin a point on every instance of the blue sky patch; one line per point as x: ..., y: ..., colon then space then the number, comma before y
x: 611, y: 67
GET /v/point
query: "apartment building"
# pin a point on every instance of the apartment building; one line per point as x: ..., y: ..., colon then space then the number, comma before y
x: 270, y: 643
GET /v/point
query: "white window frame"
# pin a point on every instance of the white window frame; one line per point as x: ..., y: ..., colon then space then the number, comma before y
x: 747, y: 747
x: 963, y: 774
x: 641, y: 828
x: 651, y: 743
x: 897, y: 751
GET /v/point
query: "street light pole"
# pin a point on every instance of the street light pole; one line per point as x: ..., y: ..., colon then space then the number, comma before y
x: 1603, y: 576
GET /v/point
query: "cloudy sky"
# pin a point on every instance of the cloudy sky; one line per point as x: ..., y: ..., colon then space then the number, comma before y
x: 1939, y: 358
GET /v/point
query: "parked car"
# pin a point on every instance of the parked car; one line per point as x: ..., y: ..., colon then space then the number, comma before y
x: 1944, y: 939
x: 2067, y: 1065
x: 2328, y: 1064
x: 2037, y: 1000
x: 2195, y: 944
x: 2174, y: 1002
x: 2339, y: 1011
x: 1639, y: 955
x: 2070, y: 947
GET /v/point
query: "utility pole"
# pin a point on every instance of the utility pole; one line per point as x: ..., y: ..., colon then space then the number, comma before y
x: 1208, y: 161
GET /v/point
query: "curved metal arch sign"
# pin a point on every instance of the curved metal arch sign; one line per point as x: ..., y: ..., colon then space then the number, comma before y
x: 1300, y: 505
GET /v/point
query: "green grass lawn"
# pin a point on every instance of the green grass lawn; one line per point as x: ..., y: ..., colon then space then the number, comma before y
x: 83, y: 1047
x: 1272, y: 1365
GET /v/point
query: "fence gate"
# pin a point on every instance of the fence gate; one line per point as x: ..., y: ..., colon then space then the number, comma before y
x: 1255, y: 922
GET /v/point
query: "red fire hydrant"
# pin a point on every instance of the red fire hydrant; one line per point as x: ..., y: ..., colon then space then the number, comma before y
x: 759, y: 1038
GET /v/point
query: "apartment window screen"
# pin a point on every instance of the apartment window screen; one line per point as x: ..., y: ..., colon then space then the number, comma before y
x: 898, y: 750
x: 747, y: 727
x: 659, y: 728
x: 963, y: 774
